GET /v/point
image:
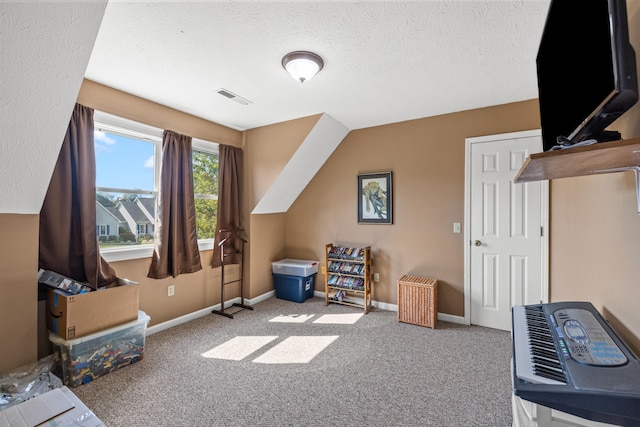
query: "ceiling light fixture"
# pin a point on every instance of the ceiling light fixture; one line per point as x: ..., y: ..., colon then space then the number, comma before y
x: 302, y: 65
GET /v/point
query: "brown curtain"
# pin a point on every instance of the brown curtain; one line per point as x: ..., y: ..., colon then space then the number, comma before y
x: 229, y: 214
x: 176, y: 243
x: 68, y: 242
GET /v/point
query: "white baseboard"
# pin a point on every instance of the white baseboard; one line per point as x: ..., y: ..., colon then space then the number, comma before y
x: 451, y: 318
x: 441, y: 316
x: 207, y: 311
x: 394, y: 307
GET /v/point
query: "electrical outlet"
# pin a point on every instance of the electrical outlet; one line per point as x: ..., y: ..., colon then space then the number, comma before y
x: 171, y: 290
x: 376, y: 277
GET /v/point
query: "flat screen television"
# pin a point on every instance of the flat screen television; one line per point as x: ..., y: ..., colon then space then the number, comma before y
x: 586, y: 71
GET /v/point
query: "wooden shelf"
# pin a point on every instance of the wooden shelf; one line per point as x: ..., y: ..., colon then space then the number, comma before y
x: 603, y: 157
x: 361, y: 258
x: 350, y: 261
x: 357, y: 276
x: 346, y: 288
x: 352, y: 304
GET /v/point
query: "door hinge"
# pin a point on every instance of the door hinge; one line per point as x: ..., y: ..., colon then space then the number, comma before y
x: 541, y: 231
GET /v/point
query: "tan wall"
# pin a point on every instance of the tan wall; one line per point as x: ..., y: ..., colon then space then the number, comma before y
x: 193, y: 291
x: 109, y: 100
x: 595, y: 242
x: 427, y: 158
x: 266, y: 245
x: 19, y: 290
x: 267, y: 151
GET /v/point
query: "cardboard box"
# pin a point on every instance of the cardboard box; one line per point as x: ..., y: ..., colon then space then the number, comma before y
x: 84, y: 359
x: 73, y: 316
x: 295, y: 267
x: 58, y: 407
x: 294, y: 288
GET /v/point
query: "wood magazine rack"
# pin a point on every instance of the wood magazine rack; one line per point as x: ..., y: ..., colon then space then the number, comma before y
x: 348, y: 276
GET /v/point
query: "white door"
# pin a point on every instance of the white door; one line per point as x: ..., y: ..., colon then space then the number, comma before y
x: 506, y: 230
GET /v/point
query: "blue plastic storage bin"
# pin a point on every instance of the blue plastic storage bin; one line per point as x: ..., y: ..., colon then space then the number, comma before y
x: 294, y: 288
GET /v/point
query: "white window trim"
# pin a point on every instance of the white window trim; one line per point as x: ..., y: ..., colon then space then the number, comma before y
x: 205, y: 146
x: 119, y: 125
x: 143, y: 251
x: 114, y: 124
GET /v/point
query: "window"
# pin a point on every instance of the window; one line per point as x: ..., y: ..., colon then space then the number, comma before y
x: 205, y: 187
x: 128, y: 158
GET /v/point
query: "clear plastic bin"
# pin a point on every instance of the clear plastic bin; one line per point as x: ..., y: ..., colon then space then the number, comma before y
x: 295, y: 267
x: 83, y: 359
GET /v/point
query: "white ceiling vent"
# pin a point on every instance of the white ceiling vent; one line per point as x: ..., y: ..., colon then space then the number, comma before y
x: 233, y: 96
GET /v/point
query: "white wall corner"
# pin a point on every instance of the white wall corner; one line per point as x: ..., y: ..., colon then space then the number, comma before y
x: 45, y: 48
x: 314, y: 151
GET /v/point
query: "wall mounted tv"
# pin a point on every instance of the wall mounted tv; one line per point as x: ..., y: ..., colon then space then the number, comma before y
x: 586, y: 71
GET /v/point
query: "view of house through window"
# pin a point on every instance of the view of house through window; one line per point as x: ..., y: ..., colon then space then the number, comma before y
x: 127, y: 176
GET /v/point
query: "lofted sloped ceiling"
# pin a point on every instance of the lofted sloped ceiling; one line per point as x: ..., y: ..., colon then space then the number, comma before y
x: 44, y: 51
x: 316, y: 148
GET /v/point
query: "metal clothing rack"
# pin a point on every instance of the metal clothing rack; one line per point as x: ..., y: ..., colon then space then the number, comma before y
x: 233, y: 237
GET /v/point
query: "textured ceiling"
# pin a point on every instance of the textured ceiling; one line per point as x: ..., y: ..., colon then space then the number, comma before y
x: 385, y: 62
x: 44, y: 50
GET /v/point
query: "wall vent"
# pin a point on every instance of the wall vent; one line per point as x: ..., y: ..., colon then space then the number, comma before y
x: 233, y: 96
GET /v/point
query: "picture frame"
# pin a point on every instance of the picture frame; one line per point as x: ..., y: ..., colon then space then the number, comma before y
x: 375, y: 198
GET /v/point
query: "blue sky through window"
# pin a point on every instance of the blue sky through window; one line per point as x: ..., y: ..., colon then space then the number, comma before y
x: 123, y: 162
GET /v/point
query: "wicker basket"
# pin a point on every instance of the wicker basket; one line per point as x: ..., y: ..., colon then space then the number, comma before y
x: 418, y: 300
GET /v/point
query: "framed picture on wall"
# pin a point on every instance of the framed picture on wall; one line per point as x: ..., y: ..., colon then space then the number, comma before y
x: 375, y: 198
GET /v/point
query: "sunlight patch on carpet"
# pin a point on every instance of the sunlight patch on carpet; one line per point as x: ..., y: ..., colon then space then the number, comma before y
x: 296, y: 349
x: 339, y: 319
x: 292, y: 318
x: 238, y: 348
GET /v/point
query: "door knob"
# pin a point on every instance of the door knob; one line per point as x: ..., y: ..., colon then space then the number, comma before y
x: 477, y: 243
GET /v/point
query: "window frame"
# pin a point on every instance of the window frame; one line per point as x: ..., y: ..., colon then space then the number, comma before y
x: 131, y: 129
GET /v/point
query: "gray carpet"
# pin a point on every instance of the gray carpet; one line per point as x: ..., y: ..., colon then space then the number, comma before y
x: 378, y: 372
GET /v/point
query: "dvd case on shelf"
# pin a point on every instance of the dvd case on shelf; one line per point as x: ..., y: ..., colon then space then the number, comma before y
x: 348, y: 272
x: 63, y: 283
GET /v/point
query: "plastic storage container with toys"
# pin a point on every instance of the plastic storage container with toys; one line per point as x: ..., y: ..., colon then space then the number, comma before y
x: 81, y: 360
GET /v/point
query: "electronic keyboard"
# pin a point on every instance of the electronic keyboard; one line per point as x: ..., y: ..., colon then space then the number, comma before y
x: 566, y: 357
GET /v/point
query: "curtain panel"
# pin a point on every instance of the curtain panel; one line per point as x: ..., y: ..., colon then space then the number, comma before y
x: 176, y: 242
x: 68, y: 242
x: 229, y: 214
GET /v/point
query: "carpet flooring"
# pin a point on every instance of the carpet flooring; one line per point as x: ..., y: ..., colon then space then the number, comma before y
x: 307, y: 364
